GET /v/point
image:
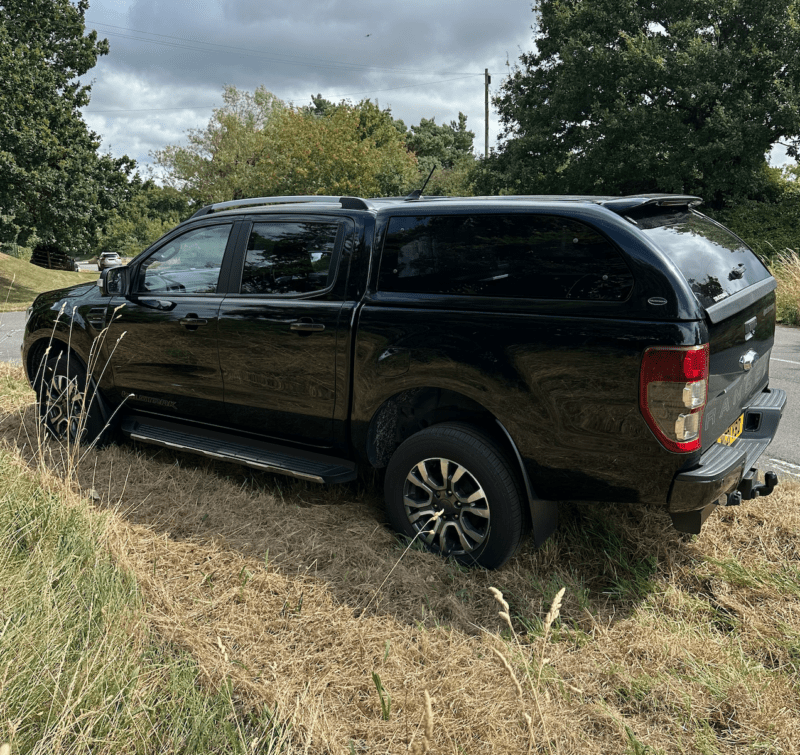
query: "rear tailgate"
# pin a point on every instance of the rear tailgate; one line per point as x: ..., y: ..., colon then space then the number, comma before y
x: 741, y: 341
x: 738, y: 294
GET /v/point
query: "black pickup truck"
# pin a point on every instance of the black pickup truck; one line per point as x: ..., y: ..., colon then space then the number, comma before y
x: 494, y: 355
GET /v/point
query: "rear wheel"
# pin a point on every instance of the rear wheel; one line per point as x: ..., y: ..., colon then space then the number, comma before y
x: 452, y: 488
x: 63, y: 401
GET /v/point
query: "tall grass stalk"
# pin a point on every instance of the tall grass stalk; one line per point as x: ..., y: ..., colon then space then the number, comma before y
x: 75, y: 450
x: 786, y: 269
x: 552, y: 615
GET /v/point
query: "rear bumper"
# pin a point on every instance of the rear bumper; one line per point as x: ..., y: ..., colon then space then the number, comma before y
x: 722, y: 469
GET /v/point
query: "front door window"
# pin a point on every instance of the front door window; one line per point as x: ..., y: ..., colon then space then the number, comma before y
x: 188, y: 264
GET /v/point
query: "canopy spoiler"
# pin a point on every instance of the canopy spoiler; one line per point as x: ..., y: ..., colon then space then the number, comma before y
x: 621, y: 205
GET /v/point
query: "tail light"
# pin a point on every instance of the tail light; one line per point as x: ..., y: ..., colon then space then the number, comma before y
x: 673, y: 387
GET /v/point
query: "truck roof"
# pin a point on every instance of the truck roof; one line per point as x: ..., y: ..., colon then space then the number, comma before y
x: 616, y: 204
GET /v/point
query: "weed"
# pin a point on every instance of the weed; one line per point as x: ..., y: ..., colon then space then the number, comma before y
x: 635, y: 747
x: 383, y: 695
x: 633, y: 644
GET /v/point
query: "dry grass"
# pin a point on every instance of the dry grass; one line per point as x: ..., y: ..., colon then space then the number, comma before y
x: 663, y: 641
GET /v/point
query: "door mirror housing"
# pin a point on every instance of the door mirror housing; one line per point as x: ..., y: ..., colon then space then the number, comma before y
x: 114, y: 281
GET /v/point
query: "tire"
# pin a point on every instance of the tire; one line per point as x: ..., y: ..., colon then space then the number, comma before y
x: 61, y: 388
x: 480, y: 517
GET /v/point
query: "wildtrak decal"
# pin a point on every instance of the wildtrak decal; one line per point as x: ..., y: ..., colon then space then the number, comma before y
x: 156, y: 401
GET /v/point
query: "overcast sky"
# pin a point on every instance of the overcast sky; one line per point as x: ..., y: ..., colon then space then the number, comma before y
x: 169, y: 61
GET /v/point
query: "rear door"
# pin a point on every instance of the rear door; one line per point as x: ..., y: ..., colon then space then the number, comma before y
x: 282, y: 333
x: 738, y: 294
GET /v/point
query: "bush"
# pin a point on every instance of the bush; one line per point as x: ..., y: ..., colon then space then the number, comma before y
x: 15, y: 250
x: 768, y: 227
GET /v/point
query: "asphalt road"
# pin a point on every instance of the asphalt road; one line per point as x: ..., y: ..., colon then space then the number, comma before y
x: 11, y: 326
x: 782, y: 456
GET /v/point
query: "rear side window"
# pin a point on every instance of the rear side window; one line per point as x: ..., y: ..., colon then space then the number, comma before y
x: 517, y: 256
x: 288, y: 258
x: 715, y: 263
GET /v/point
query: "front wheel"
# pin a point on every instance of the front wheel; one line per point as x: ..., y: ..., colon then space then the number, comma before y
x: 452, y: 488
x: 64, y: 407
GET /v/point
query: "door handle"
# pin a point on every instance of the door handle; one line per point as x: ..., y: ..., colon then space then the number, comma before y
x: 304, y: 326
x: 191, y: 322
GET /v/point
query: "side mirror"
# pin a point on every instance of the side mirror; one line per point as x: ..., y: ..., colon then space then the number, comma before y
x: 114, y: 281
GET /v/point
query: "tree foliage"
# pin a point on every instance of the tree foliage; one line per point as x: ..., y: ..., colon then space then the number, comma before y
x: 54, y: 186
x: 445, y: 144
x: 256, y: 145
x: 626, y: 96
x: 448, y: 149
x: 151, y: 212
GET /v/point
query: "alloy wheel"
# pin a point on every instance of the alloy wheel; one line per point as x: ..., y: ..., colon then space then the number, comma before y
x: 446, y: 506
x: 64, y: 407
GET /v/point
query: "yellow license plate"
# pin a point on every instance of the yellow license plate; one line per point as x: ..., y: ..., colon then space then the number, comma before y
x: 732, y: 433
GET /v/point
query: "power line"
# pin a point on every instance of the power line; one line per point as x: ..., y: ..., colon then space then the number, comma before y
x: 152, y: 109
x: 405, y: 86
x: 250, y: 52
x: 209, y: 107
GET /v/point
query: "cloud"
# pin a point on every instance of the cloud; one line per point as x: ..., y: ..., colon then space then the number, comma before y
x: 422, y: 59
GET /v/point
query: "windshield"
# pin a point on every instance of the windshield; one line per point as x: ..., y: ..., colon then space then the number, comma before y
x: 715, y: 263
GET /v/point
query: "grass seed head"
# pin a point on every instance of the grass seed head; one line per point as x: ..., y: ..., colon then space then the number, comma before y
x: 498, y: 596
x: 555, y: 610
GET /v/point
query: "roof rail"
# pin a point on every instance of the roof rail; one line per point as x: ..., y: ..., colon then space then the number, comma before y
x: 347, y: 203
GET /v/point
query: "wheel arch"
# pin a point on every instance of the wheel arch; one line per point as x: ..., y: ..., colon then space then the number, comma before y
x: 40, y: 348
x: 412, y: 410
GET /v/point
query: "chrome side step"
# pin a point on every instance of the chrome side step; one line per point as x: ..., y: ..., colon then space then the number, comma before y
x: 268, y: 457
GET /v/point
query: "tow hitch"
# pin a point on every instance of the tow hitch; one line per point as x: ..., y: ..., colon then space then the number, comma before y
x: 749, y: 487
x: 692, y: 521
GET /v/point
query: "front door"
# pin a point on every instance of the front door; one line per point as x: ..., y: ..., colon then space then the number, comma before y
x: 162, y: 340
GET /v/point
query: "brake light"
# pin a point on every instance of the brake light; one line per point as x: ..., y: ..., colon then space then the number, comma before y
x: 673, y: 388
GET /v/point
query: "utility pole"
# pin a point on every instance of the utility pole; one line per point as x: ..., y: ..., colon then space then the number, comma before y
x: 486, y: 81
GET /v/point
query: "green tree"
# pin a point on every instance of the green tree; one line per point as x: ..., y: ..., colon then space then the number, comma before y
x: 54, y: 186
x: 256, y: 145
x: 448, y: 149
x: 151, y: 212
x: 219, y: 161
x: 626, y: 96
x: 445, y: 144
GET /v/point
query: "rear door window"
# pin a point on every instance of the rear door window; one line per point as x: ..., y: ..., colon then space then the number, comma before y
x: 289, y: 258
x: 715, y: 263
x: 503, y: 255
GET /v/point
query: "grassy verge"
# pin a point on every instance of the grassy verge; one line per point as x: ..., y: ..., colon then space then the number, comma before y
x: 21, y: 282
x: 296, y: 599
x: 79, y: 668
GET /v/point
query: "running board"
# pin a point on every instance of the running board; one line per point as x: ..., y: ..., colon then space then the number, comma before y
x: 269, y: 457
